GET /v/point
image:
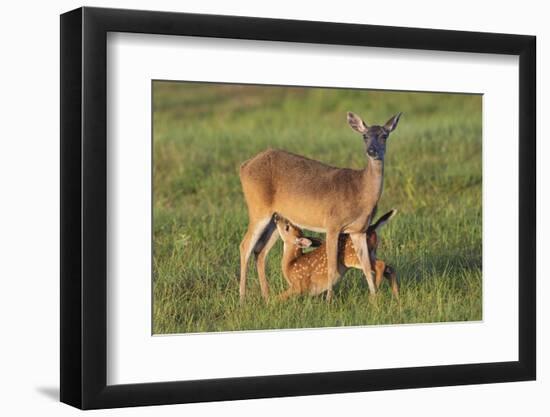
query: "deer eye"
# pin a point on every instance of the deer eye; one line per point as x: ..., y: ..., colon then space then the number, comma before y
x: 287, y: 228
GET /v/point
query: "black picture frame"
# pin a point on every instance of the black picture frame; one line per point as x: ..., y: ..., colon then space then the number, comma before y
x: 84, y: 207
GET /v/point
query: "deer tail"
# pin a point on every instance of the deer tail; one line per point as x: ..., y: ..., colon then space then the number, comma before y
x: 382, y: 221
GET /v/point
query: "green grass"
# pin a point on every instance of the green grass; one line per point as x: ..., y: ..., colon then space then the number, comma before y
x: 202, y: 133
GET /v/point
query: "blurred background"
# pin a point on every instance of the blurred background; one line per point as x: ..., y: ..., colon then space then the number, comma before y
x: 433, y: 175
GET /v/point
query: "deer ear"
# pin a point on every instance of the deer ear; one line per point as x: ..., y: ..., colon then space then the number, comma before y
x: 315, y: 242
x: 356, y: 123
x: 303, y: 242
x: 392, y: 123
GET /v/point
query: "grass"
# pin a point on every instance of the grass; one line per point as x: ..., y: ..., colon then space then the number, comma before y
x: 433, y: 176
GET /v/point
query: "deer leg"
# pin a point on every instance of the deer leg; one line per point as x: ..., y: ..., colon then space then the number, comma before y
x: 379, y: 268
x: 288, y: 293
x: 253, y: 234
x: 361, y: 249
x: 390, y: 274
x: 269, y: 237
x: 332, y: 261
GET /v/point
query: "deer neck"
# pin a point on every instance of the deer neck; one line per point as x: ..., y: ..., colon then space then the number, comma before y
x: 373, y: 179
x: 291, y: 253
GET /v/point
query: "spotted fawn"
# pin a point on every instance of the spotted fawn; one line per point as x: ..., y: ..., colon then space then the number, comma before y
x: 307, y: 273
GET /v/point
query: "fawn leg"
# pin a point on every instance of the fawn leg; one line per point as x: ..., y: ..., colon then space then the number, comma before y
x: 332, y: 260
x: 390, y: 274
x: 270, y: 236
x: 379, y: 268
x: 361, y: 249
x: 288, y: 293
x: 253, y: 234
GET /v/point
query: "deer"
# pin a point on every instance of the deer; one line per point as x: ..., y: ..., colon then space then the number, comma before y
x: 313, y: 196
x: 306, y: 273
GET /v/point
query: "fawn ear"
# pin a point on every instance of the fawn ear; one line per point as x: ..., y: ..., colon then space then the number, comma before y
x: 382, y: 220
x: 356, y: 123
x: 303, y: 242
x: 315, y: 242
x: 392, y: 123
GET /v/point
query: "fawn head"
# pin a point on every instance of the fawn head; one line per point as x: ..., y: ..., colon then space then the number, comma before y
x: 372, y: 240
x: 290, y: 233
x: 375, y: 137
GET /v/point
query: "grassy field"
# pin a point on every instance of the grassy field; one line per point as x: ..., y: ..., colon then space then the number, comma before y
x: 202, y: 133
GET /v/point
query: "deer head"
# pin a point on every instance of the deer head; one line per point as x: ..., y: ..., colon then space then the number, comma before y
x: 291, y: 234
x: 375, y: 137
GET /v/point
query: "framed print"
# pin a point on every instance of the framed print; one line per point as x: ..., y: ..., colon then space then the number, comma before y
x: 256, y: 208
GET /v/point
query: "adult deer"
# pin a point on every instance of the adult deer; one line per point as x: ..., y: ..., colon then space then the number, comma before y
x: 313, y: 196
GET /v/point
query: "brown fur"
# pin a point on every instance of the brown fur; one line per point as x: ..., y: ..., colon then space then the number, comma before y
x: 314, y: 196
x: 307, y: 273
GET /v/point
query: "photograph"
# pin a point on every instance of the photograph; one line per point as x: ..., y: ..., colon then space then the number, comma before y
x: 253, y: 207
x: 301, y: 207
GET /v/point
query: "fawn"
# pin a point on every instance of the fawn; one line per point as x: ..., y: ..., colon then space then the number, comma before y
x: 307, y: 272
x: 313, y: 196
